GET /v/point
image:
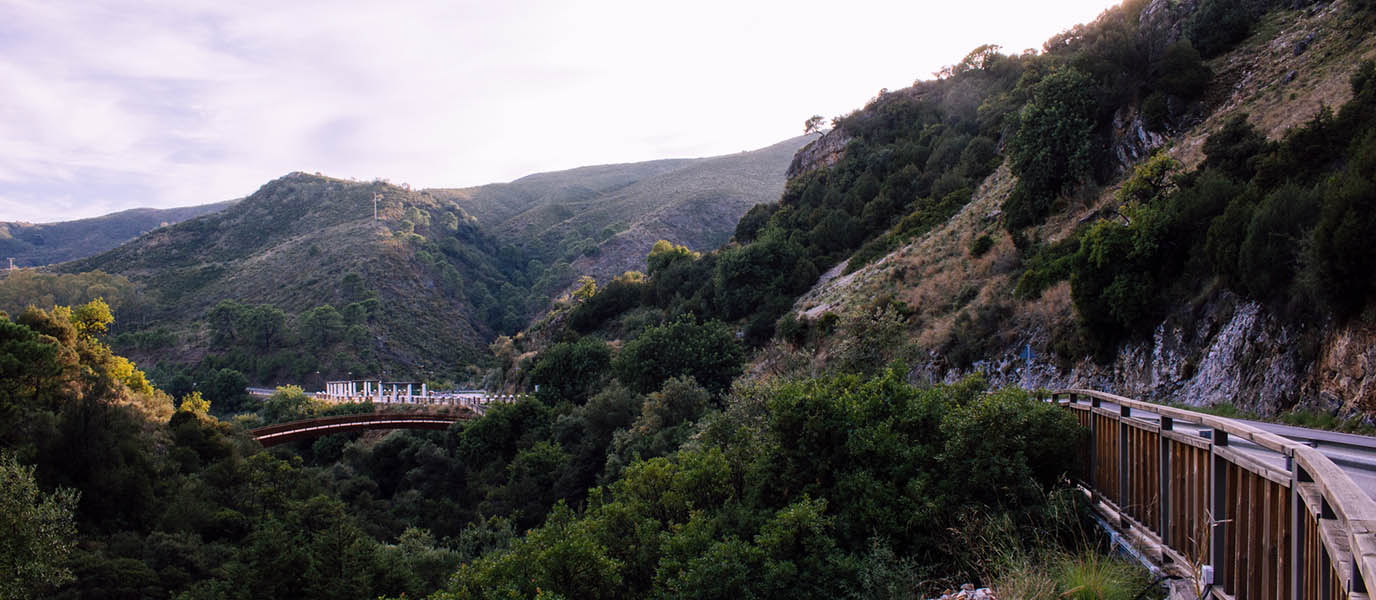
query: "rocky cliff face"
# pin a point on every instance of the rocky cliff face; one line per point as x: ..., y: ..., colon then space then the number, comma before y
x: 822, y: 152
x: 1228, y: 349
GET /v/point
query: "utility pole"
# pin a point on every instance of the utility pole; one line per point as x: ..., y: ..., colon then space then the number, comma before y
x: 375, y: 198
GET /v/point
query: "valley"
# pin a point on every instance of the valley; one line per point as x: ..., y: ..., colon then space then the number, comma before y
x: 948, y: 339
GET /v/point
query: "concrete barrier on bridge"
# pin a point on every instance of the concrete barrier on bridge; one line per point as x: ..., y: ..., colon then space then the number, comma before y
x: 408, y: 393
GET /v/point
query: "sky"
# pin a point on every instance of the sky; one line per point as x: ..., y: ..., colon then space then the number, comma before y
x: 110, y: 105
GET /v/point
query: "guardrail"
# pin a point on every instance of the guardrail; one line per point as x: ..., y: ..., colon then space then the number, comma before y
x: 1247, y: 513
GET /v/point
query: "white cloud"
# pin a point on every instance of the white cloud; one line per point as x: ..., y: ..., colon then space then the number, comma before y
x: 118, y: 104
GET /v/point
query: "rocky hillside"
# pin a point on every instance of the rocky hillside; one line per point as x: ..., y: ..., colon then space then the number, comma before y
x: 36, y: 244
x: 978, y: 295
x: 416, y: 290
x: 298, y: 283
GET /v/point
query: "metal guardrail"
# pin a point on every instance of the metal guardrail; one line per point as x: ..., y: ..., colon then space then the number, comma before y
x: 1224, y: 515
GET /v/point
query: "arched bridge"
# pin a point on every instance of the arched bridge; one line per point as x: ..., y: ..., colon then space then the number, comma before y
x: 313, y: 428
x: 1242, y: 512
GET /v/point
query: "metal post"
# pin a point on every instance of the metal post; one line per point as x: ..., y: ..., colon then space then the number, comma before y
x: 1093, y: 449
x: 1218, y: 502
x: 1297, y: 514
x: 1123, y: 499
x: 1163, y: 502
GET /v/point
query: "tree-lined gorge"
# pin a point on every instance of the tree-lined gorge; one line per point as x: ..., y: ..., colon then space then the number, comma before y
x: 663, y: 445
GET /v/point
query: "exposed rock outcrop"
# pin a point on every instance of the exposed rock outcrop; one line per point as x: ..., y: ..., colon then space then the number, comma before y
x: 1229, y: 350
x: 822, y: 152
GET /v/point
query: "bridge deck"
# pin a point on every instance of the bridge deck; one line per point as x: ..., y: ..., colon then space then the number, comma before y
x: 311, y: 428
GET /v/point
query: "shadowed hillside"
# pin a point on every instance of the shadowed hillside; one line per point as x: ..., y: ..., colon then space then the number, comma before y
x: 35, y: 244
x: 604, y: 219
x: 416, y: 291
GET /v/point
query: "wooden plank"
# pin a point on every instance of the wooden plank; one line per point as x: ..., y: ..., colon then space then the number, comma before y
x: 1281, y: 521
x: 1256, y: 521
x: 1186, y: 438
x: 1240, y: 513
x: 1267, y: 569
x: 1245, y: 460
x: 1233, y: 529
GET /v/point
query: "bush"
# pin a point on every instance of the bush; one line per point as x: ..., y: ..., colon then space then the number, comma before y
x: 571, y: 371
x: 1049, y: 265
x: 1182, y: 72
x: 707, y: 352
x: 981, y: 246
x: 1051, y: 151
x: 1218, y: 25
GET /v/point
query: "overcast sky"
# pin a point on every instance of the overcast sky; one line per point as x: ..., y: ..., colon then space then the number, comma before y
x: 115, y: 105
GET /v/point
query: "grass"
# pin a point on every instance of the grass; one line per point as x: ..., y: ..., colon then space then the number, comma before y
x: 1064, y: 556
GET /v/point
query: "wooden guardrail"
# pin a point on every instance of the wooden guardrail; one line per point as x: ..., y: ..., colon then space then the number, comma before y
x: 1258, y: 515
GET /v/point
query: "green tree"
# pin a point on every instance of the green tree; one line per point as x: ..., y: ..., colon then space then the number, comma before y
x: 194, y: 403
x: 39, y: 533
x: 1234, y: 149
x: 707, y: 352
x: 92, y: 319
x: 1051, y: 151
x: 571, y: 371
x: 321, y: 326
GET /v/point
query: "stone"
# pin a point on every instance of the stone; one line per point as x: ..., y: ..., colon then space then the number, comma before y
x: 1303, y: 45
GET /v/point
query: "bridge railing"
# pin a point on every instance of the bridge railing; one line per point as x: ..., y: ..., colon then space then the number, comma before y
x: 1271, y: 518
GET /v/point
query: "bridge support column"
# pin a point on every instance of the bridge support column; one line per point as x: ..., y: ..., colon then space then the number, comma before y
x: 1218, y: 509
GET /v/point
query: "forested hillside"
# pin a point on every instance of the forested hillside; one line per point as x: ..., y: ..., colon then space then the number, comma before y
x: 603, y: 220
x: 1179, y: 193
x: 1210, y: 267
x: 35, y: 244
x: 297, y: 283
x: 1068, y: 217
x: 299, y: 279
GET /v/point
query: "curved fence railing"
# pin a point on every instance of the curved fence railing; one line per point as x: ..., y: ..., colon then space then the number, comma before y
x: 311, y: 428
x: 1243, y: 512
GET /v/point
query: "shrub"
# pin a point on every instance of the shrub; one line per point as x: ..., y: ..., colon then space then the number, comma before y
x: 981, y: 246
x: 707, y: 352
x: 571, y: 371
x: 1051, y: 152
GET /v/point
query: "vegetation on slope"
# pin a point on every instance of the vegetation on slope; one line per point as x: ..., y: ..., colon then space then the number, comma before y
x: 601, y: 221
x: 303, y: 265
x: 39, y: 244
x: 681, y: 490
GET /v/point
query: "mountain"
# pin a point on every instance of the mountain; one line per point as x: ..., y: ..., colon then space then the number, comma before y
x: 36, y: 244
x: 297, y: 282
x: 320, y: 284
x: 604, y: 219
x: 1209, y: 255
x: 1172, y: 202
